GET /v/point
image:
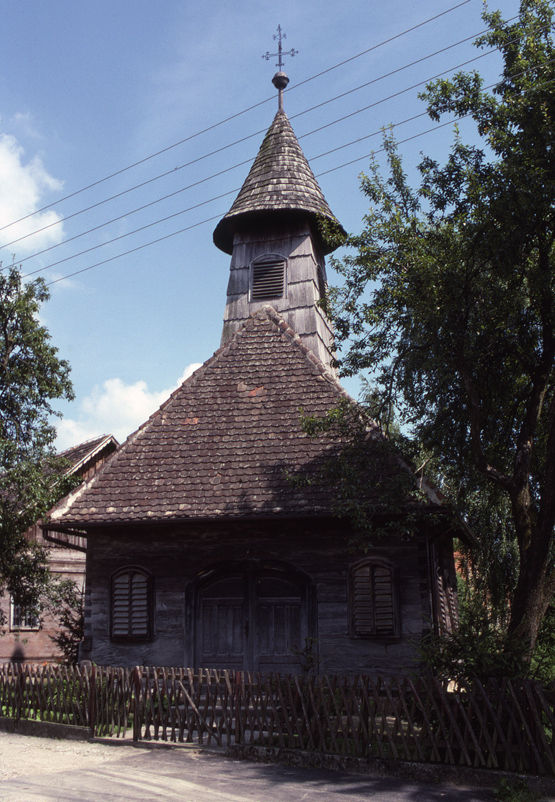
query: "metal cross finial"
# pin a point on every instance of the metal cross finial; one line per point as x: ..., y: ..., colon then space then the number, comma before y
x: 280, y: 36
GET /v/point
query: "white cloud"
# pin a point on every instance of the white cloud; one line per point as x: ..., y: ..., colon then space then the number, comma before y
x: 115, y: 408
x: 22, y: 186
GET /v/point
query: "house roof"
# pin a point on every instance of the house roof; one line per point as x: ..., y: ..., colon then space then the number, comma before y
x: 280, y: 182
x: 222, y: 443
x: 78, y: 456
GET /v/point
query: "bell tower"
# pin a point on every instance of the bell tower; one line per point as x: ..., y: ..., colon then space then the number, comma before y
x: 277, y: 232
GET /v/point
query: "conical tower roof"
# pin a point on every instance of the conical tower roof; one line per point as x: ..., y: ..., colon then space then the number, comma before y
x: 280, y: 183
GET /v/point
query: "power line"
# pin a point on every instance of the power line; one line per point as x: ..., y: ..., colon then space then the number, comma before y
x: 381, y: 44
x: 215, y: 217
x: 246, y: 161
x: 204, y: 180
x: 318, y: 175
x: 232, y: 117
x: 135, y: 231
x: 133, y: 250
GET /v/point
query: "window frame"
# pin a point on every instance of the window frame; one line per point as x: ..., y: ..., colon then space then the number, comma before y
x: 129, y: 636
x: 23, y: 613
x: 373, y: 633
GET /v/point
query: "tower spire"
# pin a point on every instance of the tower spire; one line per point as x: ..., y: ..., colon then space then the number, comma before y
x: 280, y: 79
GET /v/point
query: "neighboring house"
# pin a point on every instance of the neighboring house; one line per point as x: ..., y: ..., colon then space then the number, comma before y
x: 201, y: 551
x: 25, y: 638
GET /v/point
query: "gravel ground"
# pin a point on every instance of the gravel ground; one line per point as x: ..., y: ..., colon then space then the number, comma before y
x: 21, y: 755
x: 37, y: 769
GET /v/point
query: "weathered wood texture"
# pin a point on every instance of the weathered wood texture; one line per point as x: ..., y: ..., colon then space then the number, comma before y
x: 506, y: 725
x: 305, y: 272
x: 181, y: 557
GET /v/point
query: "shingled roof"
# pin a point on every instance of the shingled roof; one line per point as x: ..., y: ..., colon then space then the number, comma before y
x: 221, y: 444
x: 280, y: 182
x: 78, y: 456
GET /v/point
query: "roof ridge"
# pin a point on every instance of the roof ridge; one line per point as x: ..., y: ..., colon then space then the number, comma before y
x: 265, y: 313
x: 268, y: 311
x: 84, y: 443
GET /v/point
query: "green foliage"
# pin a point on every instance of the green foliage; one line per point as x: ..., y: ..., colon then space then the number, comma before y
x: 65, y: 603
x: 477, y: 650
x: 516, y: 789
x: 372, y: 486
x: 449, y: 299
x: 32, y: 478
x: 307, y: 654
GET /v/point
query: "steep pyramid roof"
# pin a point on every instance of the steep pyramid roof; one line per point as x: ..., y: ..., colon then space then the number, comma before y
x: 280, y: 182
x: 222, y: 443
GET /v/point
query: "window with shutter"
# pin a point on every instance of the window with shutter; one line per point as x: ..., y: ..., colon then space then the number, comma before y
x: 373, y: 600
x: 267, y: 277
x: 131, y: 605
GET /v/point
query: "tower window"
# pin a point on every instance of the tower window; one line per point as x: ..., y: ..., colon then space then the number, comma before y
x: 267, y: 277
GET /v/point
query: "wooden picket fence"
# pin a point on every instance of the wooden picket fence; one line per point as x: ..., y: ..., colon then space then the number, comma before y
x: 507, y: 725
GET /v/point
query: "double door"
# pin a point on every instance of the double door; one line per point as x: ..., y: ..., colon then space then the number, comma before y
x: 253, y: 619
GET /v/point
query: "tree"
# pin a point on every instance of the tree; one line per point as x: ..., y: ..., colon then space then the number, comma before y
x: 449, y: 298
x: 32, y: 478
x: 65, y: 604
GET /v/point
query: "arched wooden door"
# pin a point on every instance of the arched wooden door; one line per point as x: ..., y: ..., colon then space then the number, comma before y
x: 253, y: 617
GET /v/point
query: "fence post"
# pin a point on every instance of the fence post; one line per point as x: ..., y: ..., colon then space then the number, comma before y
x: 136, y: 705
x: 92, y: 702
x: 20, y: 690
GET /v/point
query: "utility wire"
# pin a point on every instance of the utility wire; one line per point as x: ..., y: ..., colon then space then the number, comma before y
x: 243, y: 139
x: 219, y: 216
x: 246, y: 161
x: 135, y: 231
x: 240, y: 164
x: 246, y: 138
x: 381, y: 44
x: 232, y: 117
x: 134, y: 250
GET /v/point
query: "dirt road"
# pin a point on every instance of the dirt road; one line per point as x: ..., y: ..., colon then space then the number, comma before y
x: 44, y: 770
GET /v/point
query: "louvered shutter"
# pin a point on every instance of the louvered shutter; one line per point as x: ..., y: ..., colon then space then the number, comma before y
x: 120, y: 605
x: 363, y: 609
x: 131, y: 605
x: 384, y: 601
x: 267, y: 278
x: 138, y: 620
x: 446, y: 596
x: 373, y: 600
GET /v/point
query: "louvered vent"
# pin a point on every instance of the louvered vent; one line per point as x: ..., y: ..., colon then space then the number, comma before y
x: 267, y: 278
x: 373, y: 600
x: 130, y: 605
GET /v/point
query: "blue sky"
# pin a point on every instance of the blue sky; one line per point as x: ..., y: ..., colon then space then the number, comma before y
x: 88, y: 89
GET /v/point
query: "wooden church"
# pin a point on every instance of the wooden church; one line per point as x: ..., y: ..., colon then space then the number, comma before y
x: 201, y: 551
